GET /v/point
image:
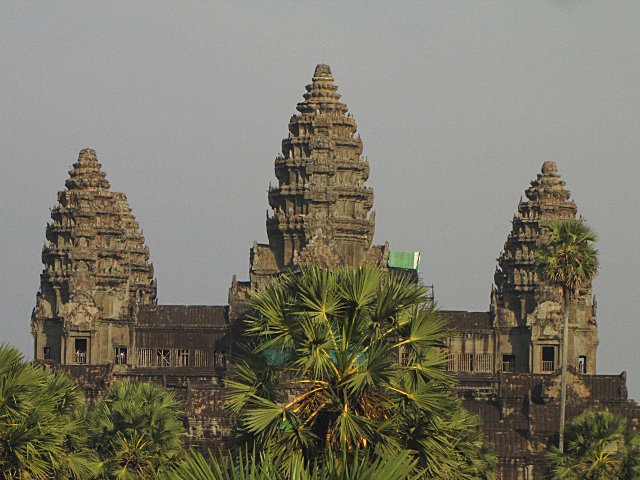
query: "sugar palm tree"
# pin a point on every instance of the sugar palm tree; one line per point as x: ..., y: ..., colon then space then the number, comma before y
x: 39, y: 439
x: 136, y: 430
x: 597, y: 449
x: 350, y: 360
x: 567, y: 258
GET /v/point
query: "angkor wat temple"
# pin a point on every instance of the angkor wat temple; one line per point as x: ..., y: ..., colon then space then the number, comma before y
x: 97, y: 317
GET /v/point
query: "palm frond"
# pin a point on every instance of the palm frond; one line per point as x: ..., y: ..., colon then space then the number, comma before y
x: 566, y: 256
x: 360, y: 370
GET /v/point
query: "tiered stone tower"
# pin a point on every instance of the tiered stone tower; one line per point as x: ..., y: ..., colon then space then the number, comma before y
x: 527, y: 313
x: 96, y: 270
x: 321, y: 207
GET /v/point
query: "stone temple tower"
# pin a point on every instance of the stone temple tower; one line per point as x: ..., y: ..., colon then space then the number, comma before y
x: 527, y: 313
x: 96, y: 271
x: 321, y: 208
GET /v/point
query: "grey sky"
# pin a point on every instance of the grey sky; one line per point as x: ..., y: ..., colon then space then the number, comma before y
x: 458, y: 105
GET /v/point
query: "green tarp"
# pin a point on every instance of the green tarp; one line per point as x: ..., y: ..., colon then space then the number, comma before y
x: 410, y: 260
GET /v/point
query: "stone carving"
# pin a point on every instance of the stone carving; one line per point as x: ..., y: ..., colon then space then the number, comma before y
x: 321, y: 173
x: 548, y: 185
x: 94, y: 249
x: 515, y: 277
x: 81, y: 316
x: 526, y: 309
x: 322, y: 252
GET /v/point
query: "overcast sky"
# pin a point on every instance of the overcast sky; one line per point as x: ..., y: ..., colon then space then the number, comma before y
x: 458, y: 105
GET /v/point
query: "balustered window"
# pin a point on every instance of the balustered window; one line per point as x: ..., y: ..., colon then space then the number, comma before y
x: 201, y: 358
x: 508, y: 363
x: 449, y: 366
x: 146, y: 357
x: 121, y: 355
x: 465, y: 362
x: 183, y: 358
x: 81, y: 346
x: 548, y: 359
x: 219, y: 358
x: 484, y: 362
x: 164, y: 357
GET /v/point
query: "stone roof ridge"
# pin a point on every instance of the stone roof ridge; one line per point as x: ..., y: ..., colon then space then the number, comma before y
x: 182, y: 315
x: 462, y: 320
x: 87, y: 172
x: 468, y: 312
x: 548, y: 184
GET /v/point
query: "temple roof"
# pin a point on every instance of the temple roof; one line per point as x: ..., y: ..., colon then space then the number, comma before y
x: 548, y: 184
x: 86, y: 172
x: 322, y: 71
x: 189, y: 316
x: 322, y: 94
x: 95, y: 251
x: 515, y: 278
x: 321, y: 206
x: 462, y: 321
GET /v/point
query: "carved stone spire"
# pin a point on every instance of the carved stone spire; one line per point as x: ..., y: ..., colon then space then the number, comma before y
x: 322, y: 96
x: 86, y: 172
x: 321, y: 194
x: 529, y: 311
x: 549, y: 187
x: 515, y: 278
x: 96, y: 264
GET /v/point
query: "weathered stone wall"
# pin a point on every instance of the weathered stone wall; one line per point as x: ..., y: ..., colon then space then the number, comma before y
x: 521, y: 413
x: 207, y: 425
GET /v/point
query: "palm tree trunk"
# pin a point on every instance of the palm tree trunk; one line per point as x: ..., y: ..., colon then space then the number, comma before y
x: 565, y: 362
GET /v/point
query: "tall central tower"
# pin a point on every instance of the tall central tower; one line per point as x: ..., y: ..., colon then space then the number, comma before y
x: 321, y: 208
x: 321, y: 202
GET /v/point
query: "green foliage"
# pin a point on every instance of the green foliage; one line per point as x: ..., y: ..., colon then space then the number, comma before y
x: 136, y: 431
x: 39, y: 437
x: 596, y: 448
x: 351, y: 360
x: 567, y: 258
x: 263, y: 466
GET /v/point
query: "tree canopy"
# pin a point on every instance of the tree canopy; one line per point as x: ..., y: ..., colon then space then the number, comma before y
x: 352, y: 360
x: 263, y: 465
x: 596, y: 448
x: 134, y: 432
x: 342, y: 378
x: 39, y: 437
x: 567, y: 256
